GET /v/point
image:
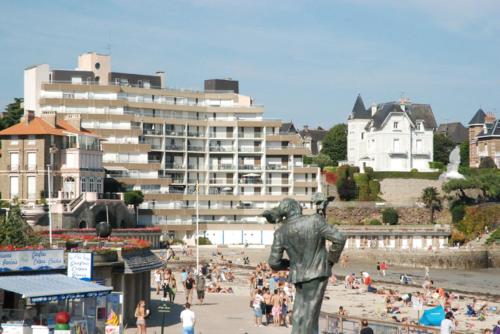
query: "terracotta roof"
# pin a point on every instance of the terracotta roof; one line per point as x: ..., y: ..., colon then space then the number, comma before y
x: 38, y: 126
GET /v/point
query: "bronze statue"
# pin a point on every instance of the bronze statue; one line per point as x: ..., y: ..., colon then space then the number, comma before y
x: 310, y: 265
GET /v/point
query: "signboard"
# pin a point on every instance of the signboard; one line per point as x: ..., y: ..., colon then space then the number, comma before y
x: 80, y: 265
x: 163, y: 308
x: 31, y: 260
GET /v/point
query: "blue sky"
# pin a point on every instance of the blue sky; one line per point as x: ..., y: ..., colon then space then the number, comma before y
x: 304, y: 60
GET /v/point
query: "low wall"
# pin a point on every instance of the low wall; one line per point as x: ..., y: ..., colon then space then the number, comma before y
x: 442, y: 259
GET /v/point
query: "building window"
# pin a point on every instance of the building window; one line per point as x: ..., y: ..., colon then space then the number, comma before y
x: 31, y: 140
x: 418, y: 146
x: 395, y: 145
x: 31, y: 187
x: 395, y: 125
x: 14, y: 161
x: 14, y: 140
x: 14, y: 187
x: 420, y: 126
x: 83, y: 184
x: 362, y: 135
x: 31, y: 157
x: 97, y: 65
x: 91, y: 184
x: 98, y: 183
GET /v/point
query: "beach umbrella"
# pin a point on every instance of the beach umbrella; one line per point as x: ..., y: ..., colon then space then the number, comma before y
x: 433, y: 316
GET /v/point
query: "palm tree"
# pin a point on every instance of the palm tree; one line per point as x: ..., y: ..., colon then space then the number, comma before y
x: 431, y: 199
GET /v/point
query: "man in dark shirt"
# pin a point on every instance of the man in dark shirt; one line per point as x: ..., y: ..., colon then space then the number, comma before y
x: 365, y: 329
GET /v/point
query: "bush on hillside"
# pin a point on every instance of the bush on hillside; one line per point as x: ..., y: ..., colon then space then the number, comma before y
x: 436, y: 165
x: 374, y: 189
x: 346, y: 188
x: 204, y: 241
x: 494, y: 237
x: 457, y: 213
x: 374, y: 222
x: 477, y: 218
x: 390, y: 216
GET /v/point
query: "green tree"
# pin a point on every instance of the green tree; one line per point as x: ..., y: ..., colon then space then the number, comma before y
x: 390, y: 216
x: 15, y: 231
x: 487, y: 162
x: 430, y: 197
x: 12, y: 114
x: 442, y: 148
x: 464, y: 154
x: 346, y: 186
x: 135, y: 198
x: 322, y: 160
x: 335, y: 143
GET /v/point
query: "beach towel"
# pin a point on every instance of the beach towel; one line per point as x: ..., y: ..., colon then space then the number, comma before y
x: 433, y: 316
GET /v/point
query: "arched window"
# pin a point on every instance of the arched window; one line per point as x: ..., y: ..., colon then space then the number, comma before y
x: 98, y: 182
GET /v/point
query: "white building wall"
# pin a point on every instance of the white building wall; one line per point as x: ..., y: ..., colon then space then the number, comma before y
x: 33, y: 79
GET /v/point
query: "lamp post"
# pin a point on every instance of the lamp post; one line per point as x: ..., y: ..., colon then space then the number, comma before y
x: 197, y: 227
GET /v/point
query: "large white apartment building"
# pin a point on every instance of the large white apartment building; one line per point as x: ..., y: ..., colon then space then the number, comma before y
x: 164, y: 141
x: 392, y: 136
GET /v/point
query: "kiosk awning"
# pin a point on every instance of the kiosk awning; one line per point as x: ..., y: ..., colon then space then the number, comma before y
x: 51, y: 287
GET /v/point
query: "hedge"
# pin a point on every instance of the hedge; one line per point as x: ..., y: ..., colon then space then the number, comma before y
x: 437, y: 165
x: 406, y: 175
x: 390, y: 216
x: 374, y: 222
x: 374, y: 187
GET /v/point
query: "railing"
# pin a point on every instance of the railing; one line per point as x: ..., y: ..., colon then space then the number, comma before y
x: 195, y: 148
x: 173, y: 166
x: 250, y: 149
x: 220, y: 135
x: 154, y: 161
x: 174, y: 147
x: 334, y: 324
x: 174, y: 133
x: 250, y: 181
x: 195, y: 167
x: 249, y: 167
x: 276, y: 167
x: 221, y: 149
x: 74, y: 203
x: 221, y: 181
x: 223, y: 167
x: 196, y: 134
x: 152, y: 132
x: 249, y: 136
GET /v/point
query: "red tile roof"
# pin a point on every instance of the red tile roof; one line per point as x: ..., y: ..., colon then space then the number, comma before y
x: 38, y: 126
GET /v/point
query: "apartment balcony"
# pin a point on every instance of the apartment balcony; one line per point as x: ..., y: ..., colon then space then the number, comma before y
x: 170, y: 165
x: 174, y: 147
x: 250, y: 181
x: 178, y: 180
x: 174, y: 133
x: 197, y: 134
x: 223, y: 167
x: 222, y: 149
x: 196, y: 181
x: 154, y: 161
x: 152, y: 132
x: 196, y: 167
x: 195, y: 148
x: 250, y: 135
x: 250, y: 149
x: 220, y: 135
x: 222, y: 181
x: 277, y: 167
x: 250, y: 167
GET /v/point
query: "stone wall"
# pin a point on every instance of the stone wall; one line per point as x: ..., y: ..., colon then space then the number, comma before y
x: 405, y: 191
x: 362, y: 215
x: 443, y: 259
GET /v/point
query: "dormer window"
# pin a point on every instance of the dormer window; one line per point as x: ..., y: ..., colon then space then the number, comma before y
x: 395, y: 125
x: 362, y: 135
x: 420, y: 126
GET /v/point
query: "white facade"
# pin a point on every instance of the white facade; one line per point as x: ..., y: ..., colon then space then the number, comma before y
x: 390, y: 139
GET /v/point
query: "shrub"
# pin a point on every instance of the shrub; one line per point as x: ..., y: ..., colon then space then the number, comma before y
x: 204, y: 241
x: 477, y: 218
x: 414, y: 170
x: 346, y: 188
x: 457, y: 213
x: 494, y: 237
x: 353, y: 169
x: 390, y: 216
x: 343, y: 171
x: 375, y: 222
x: 364, y: 192
x: 487, y: 162
x: 457, y: 236
x: 369, y: 172
x: 374, y: 187
x: 436, y: 165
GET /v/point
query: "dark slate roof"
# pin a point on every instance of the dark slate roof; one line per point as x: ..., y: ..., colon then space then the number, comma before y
x: 455, y: 131
x: 316, y: 135
x: 478, y: 118
x: 415, y: 111
x: 359, y: 110
x: 492, y: 130
x: 139, y: 261
x: 287, y: 128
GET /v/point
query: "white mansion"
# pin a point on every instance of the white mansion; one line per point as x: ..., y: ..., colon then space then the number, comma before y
x: 392, y: 136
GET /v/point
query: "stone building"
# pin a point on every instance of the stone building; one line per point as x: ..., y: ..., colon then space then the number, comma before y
x: 484, y: 138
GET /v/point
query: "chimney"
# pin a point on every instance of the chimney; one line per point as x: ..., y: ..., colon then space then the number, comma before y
x: 161, y: 74
x: 49, y: 117
x: 306, y: 127
x: 74, y: 120
x: 373, y: 108
x: 489, y: 118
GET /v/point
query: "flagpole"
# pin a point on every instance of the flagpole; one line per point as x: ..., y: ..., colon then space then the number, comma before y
x: 197, y: 228
x: 49, y: 181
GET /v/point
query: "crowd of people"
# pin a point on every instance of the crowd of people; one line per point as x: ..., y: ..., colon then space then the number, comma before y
x: 271, y: 296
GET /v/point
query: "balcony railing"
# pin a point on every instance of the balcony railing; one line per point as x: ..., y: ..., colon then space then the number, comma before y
x: 277, y: 167
x: 174, y: 147
x: 195, y: 148
x: 154, y: 161
x: 250, y: 149
x: 249, y: 136
x: 196, y: 134
x: 174, y: 133
x: 220, y: 135
x: 221, y: 149
x: 194, y: 166
x: 223, y: 167
x: 152, y: 132
x: 169, y: 165
x: 250, y: 167
x: 221, y: 181
x: 249, y: 181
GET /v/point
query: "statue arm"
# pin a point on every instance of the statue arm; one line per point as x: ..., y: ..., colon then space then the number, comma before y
x: 276, y: 260
x: 329, y: 232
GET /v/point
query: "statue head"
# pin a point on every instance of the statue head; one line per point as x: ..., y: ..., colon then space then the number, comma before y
x: 289, y: 208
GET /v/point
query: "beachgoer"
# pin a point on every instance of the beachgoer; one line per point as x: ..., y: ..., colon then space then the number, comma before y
x: 188, y: 288
x: 188, y: 319
x: 258, y: 300
x: 140, y: 314
x: 365, y: 329
x: 172, y: 291
x: 200, y: 288
x: 448, y: 324
x: 157, y: 280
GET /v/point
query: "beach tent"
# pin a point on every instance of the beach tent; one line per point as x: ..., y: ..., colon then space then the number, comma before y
x: 433, y: 316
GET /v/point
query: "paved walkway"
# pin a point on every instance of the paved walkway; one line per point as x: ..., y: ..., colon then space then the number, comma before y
x: 220, y: 313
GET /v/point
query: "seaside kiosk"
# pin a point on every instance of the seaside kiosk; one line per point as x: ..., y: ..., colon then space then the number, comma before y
x: 33, y: 288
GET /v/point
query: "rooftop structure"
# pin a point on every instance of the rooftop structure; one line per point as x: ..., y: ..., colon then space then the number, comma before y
x: 484, y: 138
